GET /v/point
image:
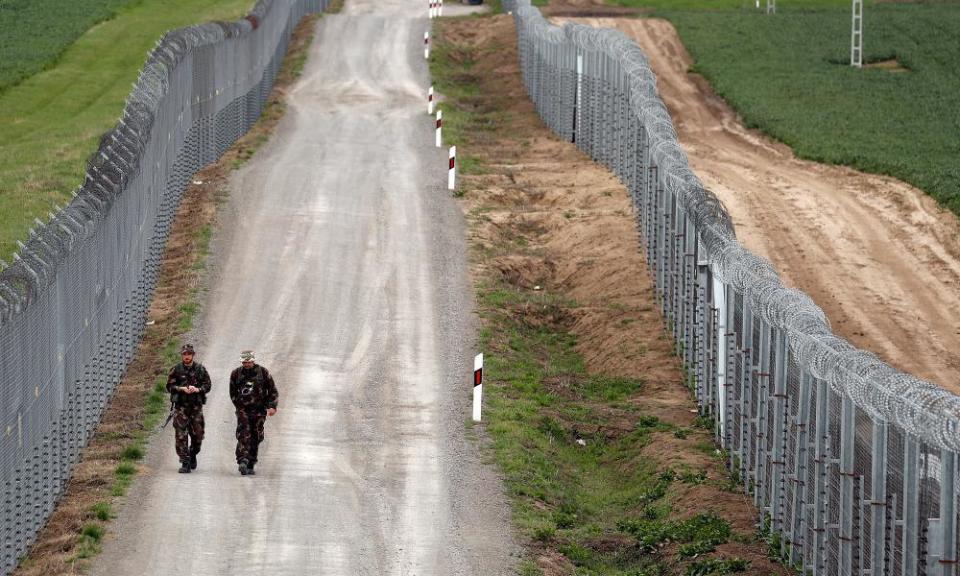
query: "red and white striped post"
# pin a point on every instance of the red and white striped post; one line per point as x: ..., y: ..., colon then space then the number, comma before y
x: 430, y: 101
x: 439, y: 127
x: 426, y: 45
x: 477, y: 385
x: 439, y: 8
x: 452, y: 171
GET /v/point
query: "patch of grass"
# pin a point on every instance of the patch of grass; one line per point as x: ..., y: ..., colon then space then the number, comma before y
x: 528, y: 568
x: 697, y: 535
x: 132, y: 452
x: 789, y: 77
x: 717, y: 567
x: 187, y: 312
x: 564, y: 492
x: 52, y: 120
x: 102, y: 511
x: 464, y: 111
x: 90, y: 537
x: 611, y: 388
x: 739, y: 6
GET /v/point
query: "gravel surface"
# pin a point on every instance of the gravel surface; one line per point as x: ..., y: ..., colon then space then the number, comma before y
x: 340, y: 258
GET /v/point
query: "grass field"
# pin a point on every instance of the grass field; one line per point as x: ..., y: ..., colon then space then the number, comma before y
x: 788, y: 75
x: 52, y: 120
x: 32, y: 40
x: 746, y: 5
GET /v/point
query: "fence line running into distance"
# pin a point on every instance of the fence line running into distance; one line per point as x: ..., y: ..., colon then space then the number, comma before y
x: 73, y: 304
x: 851, y: 463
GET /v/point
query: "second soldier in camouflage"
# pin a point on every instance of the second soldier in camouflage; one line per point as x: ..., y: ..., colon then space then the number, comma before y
x: 254, y: 395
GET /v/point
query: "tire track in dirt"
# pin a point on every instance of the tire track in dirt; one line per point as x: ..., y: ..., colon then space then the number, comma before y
x: 879, y: 256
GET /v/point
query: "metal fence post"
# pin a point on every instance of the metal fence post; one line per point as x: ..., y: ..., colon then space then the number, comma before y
x: 911, y: 506
x: 822, y: 460
x: 803, y: 491
x: 578, y: 98
x: 948, y: 513
x: 778, y: 459
x: 761, y: 456
x: 847, y: 447
x: 746, y: 385
x: 729, y: 380
x: 878, y: 498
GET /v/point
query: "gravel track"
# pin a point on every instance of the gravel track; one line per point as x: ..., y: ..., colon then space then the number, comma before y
x: 341, y: 259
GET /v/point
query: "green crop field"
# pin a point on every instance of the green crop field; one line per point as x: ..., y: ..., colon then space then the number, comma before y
x: 788, y: 75
x: 50, y: 122
x: 722, y: 4
x: 32, y: 40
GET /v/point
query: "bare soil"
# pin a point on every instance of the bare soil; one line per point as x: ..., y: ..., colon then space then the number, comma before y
x: 547, y: 219
x: 55, y: 550
x: 880, y: 257
x: 891, y: 65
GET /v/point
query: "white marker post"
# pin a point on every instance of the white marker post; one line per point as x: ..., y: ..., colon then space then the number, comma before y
x: 430, y: 101
x: 440, y: 8
x: 426, y: 45
x: 477, y: 385
x: 439, y: 127
x: 452, y: 172
x: 430, y: 2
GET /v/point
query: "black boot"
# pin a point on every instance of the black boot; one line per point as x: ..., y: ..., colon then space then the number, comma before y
x: 184, y: 467
x: 250, y: 471
x: 243, y: 468
x: 193, y: 460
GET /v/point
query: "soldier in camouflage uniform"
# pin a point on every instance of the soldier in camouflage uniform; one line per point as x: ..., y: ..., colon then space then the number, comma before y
x: 188, y: 385
x: 254, y: 395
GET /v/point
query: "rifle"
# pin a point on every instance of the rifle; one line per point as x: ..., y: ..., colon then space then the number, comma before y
x: 169, y: 416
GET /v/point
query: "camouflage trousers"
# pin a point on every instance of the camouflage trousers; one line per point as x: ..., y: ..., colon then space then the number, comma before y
x: 249, y: 433
x: 188, y: 426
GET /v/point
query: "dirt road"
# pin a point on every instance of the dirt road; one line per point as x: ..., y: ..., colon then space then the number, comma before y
x: 879, y: 256
x: 340, y: 258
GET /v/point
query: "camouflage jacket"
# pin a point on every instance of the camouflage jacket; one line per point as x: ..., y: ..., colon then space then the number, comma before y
x: 193, y: 375
x: 253, y: 388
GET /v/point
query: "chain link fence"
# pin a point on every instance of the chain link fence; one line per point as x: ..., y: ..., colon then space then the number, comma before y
x: 851, y: 463
x: 73, y: 304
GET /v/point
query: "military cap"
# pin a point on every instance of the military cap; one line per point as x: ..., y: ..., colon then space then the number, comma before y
x: 246, y: 356
x: 186, y: 349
